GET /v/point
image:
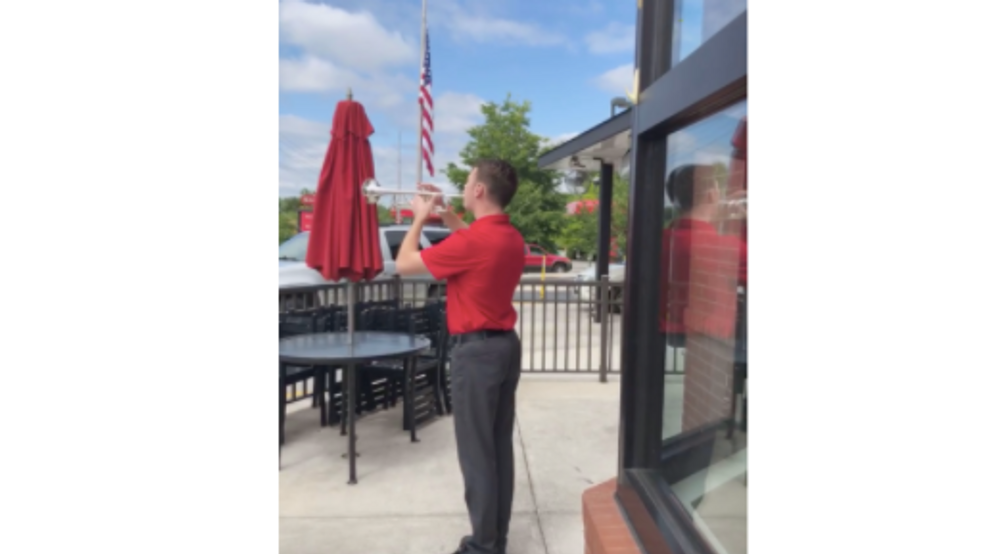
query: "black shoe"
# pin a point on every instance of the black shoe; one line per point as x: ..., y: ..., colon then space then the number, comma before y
x: 462, y: 546
x: 500, y: 548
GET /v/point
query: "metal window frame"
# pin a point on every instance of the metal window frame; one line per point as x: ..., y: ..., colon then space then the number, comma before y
x: 710, y: 79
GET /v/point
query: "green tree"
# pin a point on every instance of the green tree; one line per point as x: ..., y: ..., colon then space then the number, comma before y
x: 287, y: 220
x: 383, y: 215
x: 581, y: 232
x: 538, y: 209
x: 288, y: 225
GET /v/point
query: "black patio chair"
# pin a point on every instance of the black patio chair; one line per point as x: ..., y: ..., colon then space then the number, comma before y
x: 418, y: 379
x: 371, y: 388
x: 291, y: 324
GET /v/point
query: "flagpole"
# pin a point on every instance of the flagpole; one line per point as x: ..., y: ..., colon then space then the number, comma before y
x: 421, y: 66
x: 400, y: 169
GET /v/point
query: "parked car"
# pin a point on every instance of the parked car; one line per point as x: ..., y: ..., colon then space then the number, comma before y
x: 616, y: 273
x: 536, y: 255
x: 294, y: 273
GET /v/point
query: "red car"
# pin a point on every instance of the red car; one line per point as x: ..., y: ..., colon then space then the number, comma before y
x: 553, y: 263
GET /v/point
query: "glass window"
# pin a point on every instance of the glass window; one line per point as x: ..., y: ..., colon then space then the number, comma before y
x: 294, y: 249
x: 394, y: 240
x: 537, y: 251
x: 703, y: 318
x: 435, y: 236
x: 696, y: 21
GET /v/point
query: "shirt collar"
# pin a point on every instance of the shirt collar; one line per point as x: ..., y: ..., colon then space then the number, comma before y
x: 491, y: 220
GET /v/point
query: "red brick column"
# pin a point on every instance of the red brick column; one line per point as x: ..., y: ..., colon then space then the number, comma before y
x: 606, y: 532
x: 708, y: 381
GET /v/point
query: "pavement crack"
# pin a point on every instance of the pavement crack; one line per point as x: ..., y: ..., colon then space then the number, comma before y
x: 530, y: 481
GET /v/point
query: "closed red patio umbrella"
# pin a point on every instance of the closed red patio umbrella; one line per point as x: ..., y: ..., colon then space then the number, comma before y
x: 344, y: 242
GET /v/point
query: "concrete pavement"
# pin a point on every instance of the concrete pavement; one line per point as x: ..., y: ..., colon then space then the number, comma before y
x: 410, y: 498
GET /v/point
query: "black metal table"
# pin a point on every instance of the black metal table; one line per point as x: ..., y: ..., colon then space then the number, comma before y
x: 336, y: 349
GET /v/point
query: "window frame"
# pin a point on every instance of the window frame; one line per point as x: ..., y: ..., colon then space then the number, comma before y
x: 395, y: 250
x: 711, y: 78
x: 443, y: 233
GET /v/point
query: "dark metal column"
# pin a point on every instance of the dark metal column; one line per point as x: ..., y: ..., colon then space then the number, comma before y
x: 605, y: 211
x: 642, y: 354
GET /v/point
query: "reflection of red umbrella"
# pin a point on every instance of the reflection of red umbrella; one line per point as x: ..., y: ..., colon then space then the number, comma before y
x: 344, y: 242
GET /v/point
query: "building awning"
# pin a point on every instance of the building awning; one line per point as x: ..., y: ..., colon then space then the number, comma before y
x: 609, y: 141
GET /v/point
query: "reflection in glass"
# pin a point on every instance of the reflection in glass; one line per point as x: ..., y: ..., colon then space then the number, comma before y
x: 695, y: 21
x: 703, y: 319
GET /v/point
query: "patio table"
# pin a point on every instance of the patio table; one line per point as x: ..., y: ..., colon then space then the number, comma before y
x: 336, y: 349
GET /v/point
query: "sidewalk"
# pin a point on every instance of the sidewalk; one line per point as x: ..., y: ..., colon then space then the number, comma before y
x: 410, y: 498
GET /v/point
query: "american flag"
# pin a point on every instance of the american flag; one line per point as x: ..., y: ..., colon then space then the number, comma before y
x: 424, y: 99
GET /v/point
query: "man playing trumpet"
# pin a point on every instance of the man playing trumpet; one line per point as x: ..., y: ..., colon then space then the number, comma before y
x: 482, y: 264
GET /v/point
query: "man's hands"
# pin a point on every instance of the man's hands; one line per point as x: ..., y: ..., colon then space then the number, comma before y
x: 422, y: 206
x: 439, y: 200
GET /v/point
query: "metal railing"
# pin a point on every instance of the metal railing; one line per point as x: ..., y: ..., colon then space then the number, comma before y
x: 415, y: 293
x: 570, y: 326
x: 565, y: 325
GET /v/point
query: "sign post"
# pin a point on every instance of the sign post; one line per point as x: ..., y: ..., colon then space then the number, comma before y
x: 305, y: 214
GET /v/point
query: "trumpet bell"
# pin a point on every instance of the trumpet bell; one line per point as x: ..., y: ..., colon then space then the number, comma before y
x: 372, y: 190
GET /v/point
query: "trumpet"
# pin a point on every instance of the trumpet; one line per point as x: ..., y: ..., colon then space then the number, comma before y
x: 373, y: 191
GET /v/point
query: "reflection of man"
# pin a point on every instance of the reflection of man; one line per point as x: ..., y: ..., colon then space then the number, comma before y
x: 702, y: 266
x: 483, y: 263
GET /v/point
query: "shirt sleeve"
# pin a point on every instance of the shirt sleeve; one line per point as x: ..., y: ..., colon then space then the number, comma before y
x: 450, y: 257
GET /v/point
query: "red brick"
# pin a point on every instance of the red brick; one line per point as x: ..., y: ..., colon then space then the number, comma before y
x: 606, y: 531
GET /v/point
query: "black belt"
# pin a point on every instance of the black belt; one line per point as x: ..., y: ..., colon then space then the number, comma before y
x: 477, y: 335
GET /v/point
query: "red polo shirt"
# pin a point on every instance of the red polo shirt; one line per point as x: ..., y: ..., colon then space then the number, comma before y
x: 701, y: 270
x: 482, y: 264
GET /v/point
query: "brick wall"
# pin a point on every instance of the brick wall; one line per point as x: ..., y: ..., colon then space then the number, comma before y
x: 708, y: 381
x: 710, y: 320
x: 606, y: 532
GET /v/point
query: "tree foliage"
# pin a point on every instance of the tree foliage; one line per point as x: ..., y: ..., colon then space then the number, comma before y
x: 538, y: 209
x: 581, y: 232
x: 288, y: 215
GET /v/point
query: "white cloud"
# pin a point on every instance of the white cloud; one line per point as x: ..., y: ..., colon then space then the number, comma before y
x: 350, y: 38
x: 389, y: 96
x: 560, y: 139
x: 478, y: 25
x: 303, y: 144
x: 456, y: 112
x: 617, y: 80
x: 615, y: 37
x: 482, y: 29
x: 384, y: 91
x: 310, y: 74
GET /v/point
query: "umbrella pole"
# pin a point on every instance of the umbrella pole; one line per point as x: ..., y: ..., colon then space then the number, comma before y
x: 351, y: 295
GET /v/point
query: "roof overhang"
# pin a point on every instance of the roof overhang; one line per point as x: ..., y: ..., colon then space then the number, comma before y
x: 607, y: 142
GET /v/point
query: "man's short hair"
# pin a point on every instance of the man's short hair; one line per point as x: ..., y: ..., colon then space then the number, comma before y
x: 499, y: 178
x: 689, y: 182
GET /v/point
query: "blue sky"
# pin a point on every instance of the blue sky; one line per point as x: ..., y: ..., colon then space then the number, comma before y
x: 567, y: 58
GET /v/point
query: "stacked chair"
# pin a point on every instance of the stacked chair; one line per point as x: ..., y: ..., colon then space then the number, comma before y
x: 418, y: 381
x: 422, y: 382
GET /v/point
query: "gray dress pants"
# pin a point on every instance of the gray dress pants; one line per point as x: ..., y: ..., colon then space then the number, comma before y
x: 484, y: 380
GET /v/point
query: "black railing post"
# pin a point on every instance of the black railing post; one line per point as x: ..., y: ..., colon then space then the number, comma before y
x: 604, y: 328
x: 604, y: 209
